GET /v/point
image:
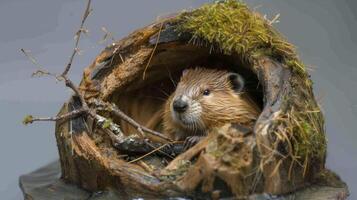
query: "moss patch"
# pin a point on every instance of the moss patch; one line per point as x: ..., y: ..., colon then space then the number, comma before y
x: 303, y: 136
x: 28, y: 119
x: 236, y: 29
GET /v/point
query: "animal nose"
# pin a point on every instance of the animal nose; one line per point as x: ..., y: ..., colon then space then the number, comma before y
x: 180, y: 105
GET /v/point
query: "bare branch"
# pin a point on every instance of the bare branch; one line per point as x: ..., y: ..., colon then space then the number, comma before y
x: 71, y: 85
x: 30, y: 57
x: 116, y: 111
x: 153, y: 51
x: 75, y: 113
x: 149, y: 153
x: 40, y: 72
x: 107, y: 35
x: 100, y: 105
x: 85, y: 109
x: 78, y: 36
x: 113, y: 128
x: 116, y: 135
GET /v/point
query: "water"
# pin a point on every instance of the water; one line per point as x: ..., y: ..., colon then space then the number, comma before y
x: 323, y: 30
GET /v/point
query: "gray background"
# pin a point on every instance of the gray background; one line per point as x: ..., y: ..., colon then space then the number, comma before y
x: 323, y: 30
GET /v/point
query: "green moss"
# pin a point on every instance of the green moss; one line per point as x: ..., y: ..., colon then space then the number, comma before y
x: 301, y: 129
x: 310, y: 140
x: 234, y: 28
x: 107, y: 123
x: 28, y: 119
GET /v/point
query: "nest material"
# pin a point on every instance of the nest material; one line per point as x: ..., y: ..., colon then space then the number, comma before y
x: 287, y: 150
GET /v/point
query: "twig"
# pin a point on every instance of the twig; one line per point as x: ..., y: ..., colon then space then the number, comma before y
x: 40, y: 71
x: 30, y: 57
x: 116, y: 135
x: 153, y: 51
x: 117, y: 112
x: 166, y: 154
x: 78, y: 36
x: 85, y: 108
x: 147, y: 154
x: 106, y: 36
x: 30, y: 119
x: 113, y: 130
x: 71, y: 85
x: 63, y: 76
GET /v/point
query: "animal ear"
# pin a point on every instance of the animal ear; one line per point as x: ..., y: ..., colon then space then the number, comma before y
x: 236, y: 81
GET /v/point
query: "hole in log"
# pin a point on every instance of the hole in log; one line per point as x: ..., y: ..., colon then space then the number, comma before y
x: 145, y: 97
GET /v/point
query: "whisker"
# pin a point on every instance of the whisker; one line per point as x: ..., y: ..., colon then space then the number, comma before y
x: 163, y: 92
x: 170, y: 76
x: 166, y: 111
x: 158, y: 98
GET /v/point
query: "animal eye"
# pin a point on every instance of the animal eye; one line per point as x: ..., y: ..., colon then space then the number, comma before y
x: 206, y: 92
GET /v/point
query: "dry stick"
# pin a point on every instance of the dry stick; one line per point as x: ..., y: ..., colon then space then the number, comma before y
x: 39, y: 72
x: 66, y: 116
x: 31, y: 58
x: 107, y: 35
x: 64, y: 77
x: 70, y: 84
x: 117, y: 139
x: 148, y: 154
x: 153, y: 51
x: 117, y: 112
x: 78, y: 36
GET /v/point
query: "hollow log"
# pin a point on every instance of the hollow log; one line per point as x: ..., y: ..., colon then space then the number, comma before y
x: 283, y: 153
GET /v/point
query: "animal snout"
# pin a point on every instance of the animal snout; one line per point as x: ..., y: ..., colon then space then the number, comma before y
x: 180, y: 105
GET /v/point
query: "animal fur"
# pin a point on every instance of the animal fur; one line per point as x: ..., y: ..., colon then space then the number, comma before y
x: 223, y: 105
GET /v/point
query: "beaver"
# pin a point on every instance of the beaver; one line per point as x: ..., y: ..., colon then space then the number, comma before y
x: 205, y: 99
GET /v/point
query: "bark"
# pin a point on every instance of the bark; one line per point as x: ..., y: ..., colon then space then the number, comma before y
x: 227, y: 163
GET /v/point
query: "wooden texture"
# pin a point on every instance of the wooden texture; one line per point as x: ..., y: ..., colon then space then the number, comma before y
x: 44, y: 184
x: 227, y: 164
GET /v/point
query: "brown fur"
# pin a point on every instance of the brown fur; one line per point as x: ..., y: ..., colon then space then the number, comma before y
x: 143, y: 109
x: 223, y: 105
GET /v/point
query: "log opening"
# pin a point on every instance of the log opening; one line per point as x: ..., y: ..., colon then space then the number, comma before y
x: 150, y: 93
